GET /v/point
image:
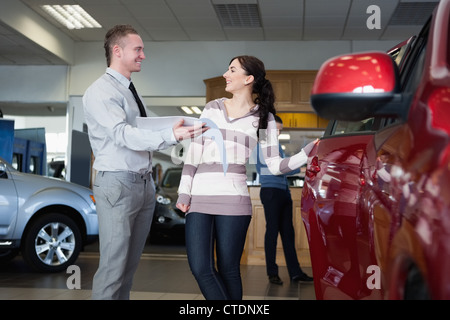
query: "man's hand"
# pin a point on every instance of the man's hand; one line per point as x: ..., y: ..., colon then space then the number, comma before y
x: 187, y: 132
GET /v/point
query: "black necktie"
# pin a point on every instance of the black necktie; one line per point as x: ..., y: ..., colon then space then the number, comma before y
x: 138, y: 100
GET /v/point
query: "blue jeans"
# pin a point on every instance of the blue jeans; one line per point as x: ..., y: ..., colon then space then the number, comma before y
x: 226, y: 234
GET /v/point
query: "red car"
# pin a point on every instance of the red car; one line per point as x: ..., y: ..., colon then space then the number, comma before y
x: 376, y: 199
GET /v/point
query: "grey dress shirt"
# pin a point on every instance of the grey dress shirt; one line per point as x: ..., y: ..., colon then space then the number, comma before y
x: 110, y: 112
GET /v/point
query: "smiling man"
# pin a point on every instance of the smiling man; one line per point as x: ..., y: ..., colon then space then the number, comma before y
x: 124, y: 189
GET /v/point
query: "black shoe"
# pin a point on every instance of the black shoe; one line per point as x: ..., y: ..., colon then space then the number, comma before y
x: 275, y: 280
x: 303, y: 277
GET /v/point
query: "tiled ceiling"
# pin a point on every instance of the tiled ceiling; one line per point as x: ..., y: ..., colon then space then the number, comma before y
x: 225, y: 20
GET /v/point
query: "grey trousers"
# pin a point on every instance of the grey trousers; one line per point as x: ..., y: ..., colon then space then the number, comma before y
x: 125, y: 203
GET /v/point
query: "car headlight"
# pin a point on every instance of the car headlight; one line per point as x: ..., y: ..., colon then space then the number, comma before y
x: 163, y: 200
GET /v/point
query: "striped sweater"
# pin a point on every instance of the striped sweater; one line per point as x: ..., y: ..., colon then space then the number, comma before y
x: 214, y: 179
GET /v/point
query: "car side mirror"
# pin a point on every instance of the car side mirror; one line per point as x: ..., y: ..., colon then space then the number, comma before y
x: 354, y: 87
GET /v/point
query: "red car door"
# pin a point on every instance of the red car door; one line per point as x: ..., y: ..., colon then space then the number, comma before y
x: 330, y: 209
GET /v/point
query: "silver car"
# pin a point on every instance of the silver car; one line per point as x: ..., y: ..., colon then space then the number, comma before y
x: 48, y: 220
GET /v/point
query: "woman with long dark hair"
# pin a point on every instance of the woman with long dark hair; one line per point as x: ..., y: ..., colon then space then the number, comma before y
x: 213, y: 188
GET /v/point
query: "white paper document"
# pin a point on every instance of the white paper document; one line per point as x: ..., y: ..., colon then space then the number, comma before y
x: 160, y: 123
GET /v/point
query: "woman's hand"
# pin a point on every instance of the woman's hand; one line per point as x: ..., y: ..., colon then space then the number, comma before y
x: 183, y: 207
x: 187, y: 132
x: 310, y: 146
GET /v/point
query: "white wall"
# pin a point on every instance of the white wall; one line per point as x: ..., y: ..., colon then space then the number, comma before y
x: 33, y: 84
x: 179, y: 68
x: 172, y: 69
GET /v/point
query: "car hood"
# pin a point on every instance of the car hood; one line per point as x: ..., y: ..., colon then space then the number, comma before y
x: 30, y: 181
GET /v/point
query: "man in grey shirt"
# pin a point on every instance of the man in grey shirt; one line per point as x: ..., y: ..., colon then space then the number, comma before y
x: 124, y: 189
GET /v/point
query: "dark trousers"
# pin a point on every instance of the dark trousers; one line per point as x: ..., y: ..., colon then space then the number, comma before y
x: 278, y: 212
x: 225, y: 234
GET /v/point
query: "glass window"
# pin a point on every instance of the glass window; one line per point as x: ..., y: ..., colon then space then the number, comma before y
x: 401, y: 53
x: 33, y: 167
x: 415, y: 75
x: 412, y: 72
x: 172, y: 178
x: 343, y: 127
x: 17, y: 161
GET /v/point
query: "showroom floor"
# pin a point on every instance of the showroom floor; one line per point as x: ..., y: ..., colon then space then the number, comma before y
x: 163, y: 274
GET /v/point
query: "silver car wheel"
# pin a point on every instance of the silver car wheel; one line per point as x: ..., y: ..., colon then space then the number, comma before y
x: 55, y: 243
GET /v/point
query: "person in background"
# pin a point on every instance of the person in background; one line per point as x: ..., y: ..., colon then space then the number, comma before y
x: 123, y: 189
x: 277, y: 202
x: 213, y: 187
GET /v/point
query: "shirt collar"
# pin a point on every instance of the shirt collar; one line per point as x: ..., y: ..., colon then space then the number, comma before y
x: 119, y: 77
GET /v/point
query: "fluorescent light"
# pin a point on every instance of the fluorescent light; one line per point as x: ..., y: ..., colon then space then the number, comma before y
x: 191, y: 110
x: 71, y: 16
x: 196, y: 110
x: 187, y: 110
x: 284, y: 136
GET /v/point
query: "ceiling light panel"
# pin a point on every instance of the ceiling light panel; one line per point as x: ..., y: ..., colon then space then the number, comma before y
x: 71, y: 16
x: 196, y: 110
x: 191, y: 110
x: 187, y: 110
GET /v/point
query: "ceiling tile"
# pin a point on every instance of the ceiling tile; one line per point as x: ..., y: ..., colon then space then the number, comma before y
x: 281, y: 34
x: 327, y: 8
x: 326, y: 33
x: 196, y: 20
x: 235, y: 34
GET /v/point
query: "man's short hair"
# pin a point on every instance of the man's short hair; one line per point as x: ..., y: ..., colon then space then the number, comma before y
x: 114, y: 36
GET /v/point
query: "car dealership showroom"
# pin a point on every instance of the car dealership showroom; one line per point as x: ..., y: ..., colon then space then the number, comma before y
x: 365, y: 84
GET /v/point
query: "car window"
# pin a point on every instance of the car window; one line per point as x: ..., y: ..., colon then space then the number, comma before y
x: 400, y: 53
x: 342, y: 127
x: 416, y: 72
x: 366, y: 126
x: 412, y: 64
x: 412, y: 72
x: 172, y: 179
